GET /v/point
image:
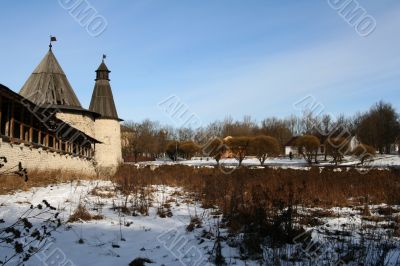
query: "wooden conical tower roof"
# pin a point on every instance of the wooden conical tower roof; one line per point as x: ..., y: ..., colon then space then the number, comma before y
x: 102, y: 98
x: 48, y: 85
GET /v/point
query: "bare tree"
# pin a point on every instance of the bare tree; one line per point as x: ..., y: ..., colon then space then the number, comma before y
x: 364, y: 152
x: 263, y: 146
x: 214, y: 148
x: 189, y: 148
x: 173, y: 150
x: 308, y: 146
x: 239, y: 147
x: 337, y: 148
x: 278, y: 128
x: 379, y: 127
x: 239, y: 128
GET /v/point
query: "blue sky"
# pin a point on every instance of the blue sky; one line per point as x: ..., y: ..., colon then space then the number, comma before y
x: 224, y: 57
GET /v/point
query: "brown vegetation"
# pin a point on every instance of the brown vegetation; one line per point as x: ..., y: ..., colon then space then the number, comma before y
x: 82, y: 214
x: 263, y: 203
x: 379, y: 127
x: 364, y: 152
x: 263, y: 146
x: 40, y: 179
x: 318, y: 187
x: 239, y: 147
x: 214, y: 148
x: 308, y: 146
x: 337, y: 148
x: 188, y: 149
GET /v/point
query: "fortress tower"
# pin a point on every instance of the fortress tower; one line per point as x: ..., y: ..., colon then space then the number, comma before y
x: 107, y: 127
x: 49, y: 88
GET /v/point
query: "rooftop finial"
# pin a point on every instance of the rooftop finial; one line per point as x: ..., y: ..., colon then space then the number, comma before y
x: 104, y: 57
x: 52, y: 39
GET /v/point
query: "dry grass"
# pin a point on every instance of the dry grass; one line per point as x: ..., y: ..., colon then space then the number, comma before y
x: 82, y: 214
x: 102, y: 192
x: 37, y: 178
x: 267, y: 199
x: 314, y: 188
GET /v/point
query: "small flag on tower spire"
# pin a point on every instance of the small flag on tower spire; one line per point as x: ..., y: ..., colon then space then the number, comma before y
x: 52, y: 39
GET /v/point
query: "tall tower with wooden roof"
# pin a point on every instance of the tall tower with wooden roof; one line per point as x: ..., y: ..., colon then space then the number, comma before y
x: 106, y: 127
x: 48, y: 87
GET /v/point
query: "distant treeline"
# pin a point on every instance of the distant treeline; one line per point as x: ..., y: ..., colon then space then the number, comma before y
x: 379, y: 127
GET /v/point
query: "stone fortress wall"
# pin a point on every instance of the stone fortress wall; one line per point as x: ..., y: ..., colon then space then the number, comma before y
x: 43, y: 159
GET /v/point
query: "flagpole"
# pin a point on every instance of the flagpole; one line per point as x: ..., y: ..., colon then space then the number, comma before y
x: 52, y: 39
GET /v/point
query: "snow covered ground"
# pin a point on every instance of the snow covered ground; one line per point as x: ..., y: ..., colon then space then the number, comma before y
x: 379, y: 161
x: 119, y: 238
x: 163, y: 240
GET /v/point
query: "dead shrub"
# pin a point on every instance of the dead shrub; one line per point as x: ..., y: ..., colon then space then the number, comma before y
x: 195, y: 222
x: 82, y: 214
x: 101, y: 193
x: 164, y: 211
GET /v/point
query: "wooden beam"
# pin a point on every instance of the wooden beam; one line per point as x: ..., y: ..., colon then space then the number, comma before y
x: 7, y: 125
x: 21, y: 126
x: 47, y: 139
x: 12, y: 121
x: 30, y: 128
x: 21, y: 131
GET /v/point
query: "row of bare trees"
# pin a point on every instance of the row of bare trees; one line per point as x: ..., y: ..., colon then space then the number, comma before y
x: 379, y: 128
x: 336, y: 147
x: 238, y: 147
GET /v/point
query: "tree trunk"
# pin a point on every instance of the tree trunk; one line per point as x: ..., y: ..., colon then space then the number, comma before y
x: 262, y: 159
x: 241, y: 158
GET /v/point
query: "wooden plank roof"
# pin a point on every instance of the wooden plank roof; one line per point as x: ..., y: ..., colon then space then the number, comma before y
x: 48, y: 84
x: 102, y: 101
